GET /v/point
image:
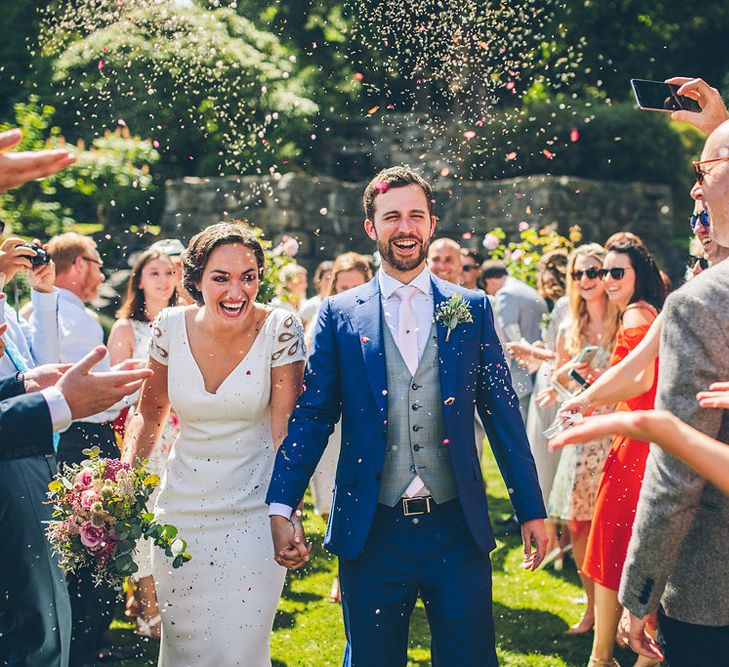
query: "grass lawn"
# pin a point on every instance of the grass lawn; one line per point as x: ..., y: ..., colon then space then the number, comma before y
x: 531, y: 610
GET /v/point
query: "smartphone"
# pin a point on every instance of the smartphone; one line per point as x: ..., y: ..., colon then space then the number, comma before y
x: 578, y: 379
x: 661, y: 96
x: 587, y: 354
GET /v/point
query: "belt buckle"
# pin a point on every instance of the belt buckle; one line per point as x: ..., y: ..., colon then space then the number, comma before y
x: 406, y: 506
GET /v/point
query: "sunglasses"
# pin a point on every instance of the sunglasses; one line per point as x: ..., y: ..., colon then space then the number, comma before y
x: 702, y: 218
x: 469, y: 268
x: 699, y: 173
x: 693, y: 260
x: 616, y: 274
x: 591, y: 273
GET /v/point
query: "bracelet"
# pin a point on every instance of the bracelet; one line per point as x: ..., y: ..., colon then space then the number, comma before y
x: 20, y: 379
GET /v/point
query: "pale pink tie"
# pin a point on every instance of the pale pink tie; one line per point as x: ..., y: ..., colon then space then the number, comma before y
x: 407, y: 329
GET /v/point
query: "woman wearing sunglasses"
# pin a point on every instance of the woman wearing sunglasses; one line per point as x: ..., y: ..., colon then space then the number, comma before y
x: 592, y: 321
x: 633, y: 284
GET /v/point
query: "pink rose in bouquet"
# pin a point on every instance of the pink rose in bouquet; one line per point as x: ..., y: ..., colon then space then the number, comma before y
x: 89, y: 497
x: 84, y: 479
x: 91, y: 537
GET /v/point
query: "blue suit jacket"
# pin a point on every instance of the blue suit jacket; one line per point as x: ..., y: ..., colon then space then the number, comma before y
x: 25, y: 422
x: 346, y: 376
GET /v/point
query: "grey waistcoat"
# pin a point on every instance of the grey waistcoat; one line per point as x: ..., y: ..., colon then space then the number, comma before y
x: 416, y: 426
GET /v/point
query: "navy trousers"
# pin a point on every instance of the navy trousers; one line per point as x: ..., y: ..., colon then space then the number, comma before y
x: 431, y: 555
x: 34, y: 603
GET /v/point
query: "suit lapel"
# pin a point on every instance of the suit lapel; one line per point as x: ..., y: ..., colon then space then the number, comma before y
x: 446, y: 351
x: 366, y: 319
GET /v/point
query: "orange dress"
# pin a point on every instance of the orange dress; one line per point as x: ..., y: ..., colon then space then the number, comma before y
x: 620, y: 483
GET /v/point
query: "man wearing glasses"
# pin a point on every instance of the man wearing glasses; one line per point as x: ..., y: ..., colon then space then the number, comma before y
x: 78, y: 279
x: 676, y: 562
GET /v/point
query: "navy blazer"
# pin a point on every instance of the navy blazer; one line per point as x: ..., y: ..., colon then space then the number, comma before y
x: 25, y: 422
x: 346, y: 376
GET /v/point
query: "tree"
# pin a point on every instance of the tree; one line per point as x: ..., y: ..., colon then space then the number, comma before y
x: 110, y: 178
x: 211, y: 90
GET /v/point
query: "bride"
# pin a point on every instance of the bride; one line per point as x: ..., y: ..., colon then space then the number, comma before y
x: 232, y: 370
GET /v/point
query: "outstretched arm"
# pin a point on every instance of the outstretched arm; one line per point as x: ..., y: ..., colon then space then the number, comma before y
x: 631, y: 377
x: 709, y: 457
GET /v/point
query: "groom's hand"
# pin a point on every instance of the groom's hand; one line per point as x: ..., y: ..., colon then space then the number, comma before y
x: 534, y: 534
x: 290, y: 547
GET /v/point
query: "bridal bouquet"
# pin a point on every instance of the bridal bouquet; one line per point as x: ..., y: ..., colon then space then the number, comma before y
x: 100, y: 513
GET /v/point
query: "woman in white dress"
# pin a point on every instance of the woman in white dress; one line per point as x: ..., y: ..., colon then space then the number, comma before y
x: 151, y: 288
x: 232, y: 370
x: 349, y: 270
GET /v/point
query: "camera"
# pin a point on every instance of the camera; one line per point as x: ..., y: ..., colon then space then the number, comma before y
x: 41, y: 256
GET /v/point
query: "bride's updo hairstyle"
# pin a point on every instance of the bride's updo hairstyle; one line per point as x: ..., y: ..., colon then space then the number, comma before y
x: 195, y: 257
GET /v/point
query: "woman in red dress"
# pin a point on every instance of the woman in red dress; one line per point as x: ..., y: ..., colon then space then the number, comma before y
x: 634, y: 284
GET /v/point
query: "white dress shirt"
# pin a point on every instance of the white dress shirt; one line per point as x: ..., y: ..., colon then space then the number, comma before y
x: 424, y: 305
x: 35, y: 343
x: 80, y: 333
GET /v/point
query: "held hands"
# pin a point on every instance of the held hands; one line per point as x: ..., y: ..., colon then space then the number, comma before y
x: 534, y: 537
x: 291, y: 549
x: 713, y: 112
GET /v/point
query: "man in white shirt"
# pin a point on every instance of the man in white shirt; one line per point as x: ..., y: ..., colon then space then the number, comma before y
x: 78, y: 279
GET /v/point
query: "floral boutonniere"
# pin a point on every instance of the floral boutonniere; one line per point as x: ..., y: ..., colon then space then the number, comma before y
x: 453, y: 312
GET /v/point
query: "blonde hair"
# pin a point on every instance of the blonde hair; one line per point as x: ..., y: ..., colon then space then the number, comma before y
x: 350, y: 261
x: 576, y: 327
x: 65, y: 248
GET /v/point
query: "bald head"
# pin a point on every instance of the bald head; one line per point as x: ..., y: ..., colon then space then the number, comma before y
x: 444, y: 259
x: 714, y: 188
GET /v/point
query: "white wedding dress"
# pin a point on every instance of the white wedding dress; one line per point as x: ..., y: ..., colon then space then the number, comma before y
x: 218, y: 609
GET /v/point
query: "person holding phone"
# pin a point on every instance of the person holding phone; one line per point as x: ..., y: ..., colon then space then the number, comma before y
x: 584, y: 342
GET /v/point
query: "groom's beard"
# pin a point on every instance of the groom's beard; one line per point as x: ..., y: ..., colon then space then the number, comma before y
x: 385, y: 248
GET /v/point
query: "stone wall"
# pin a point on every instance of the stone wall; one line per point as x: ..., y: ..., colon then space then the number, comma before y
x: 325, y: 214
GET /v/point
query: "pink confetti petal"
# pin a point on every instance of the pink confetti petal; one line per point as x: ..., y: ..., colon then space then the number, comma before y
x: 469, y: 134
x: 548, y: 154
x: 574, y: 135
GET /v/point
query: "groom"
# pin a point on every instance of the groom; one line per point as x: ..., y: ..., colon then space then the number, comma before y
x: 409, y: 515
